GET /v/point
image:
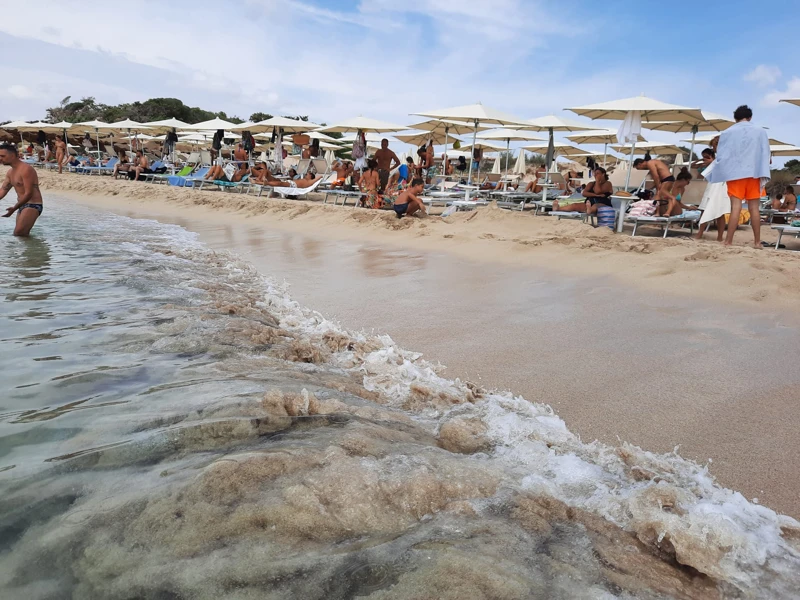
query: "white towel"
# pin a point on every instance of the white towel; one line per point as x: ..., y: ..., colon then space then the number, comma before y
x: 716, y: 202
x: 743, y: 152
x: 631, y: 128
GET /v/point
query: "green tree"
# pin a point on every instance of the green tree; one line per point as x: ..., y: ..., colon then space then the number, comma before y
x: 260, y: 116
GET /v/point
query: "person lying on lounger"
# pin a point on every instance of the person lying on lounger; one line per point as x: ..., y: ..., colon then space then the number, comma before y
x: 343, y: 170
x: 216, y: 173
x: 306, y: 182
x: 670, y: 204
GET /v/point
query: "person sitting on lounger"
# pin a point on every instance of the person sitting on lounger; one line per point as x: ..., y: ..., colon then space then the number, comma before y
x: 671, y: 206
x: 240, y: 154
x: 661, y: 174
x: 343, y: 170
x: 408, y: 202
x: 258, y: 173
x: 533, y: 186
x: 217, y: 173
x: 123, y: 166
x: 786, y: 201
x: 596, y: 192
x: 141, y: 165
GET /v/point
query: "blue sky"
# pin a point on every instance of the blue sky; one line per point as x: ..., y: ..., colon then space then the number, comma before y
x: 387, y: 58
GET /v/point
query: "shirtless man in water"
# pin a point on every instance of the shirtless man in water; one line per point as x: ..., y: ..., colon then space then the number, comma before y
x: 662, y: 176
x: 23, y: 178
x: 387, y: 160
x: 61, y: 152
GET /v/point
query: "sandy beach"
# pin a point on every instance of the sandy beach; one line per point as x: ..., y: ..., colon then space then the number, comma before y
x: 661, y: 343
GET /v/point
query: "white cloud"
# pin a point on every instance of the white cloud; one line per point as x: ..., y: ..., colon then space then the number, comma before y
x: 764, y: 75
x: 20, y: 92
x: 774, y: 97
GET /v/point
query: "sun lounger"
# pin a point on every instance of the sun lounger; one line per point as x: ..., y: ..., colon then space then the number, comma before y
x: 664, y: 222
x: 469, y: 204
x: 291, y: 192
x: 164, y: 178
x: 788, y: 229
x: 344, y: 195
x: 108, y: 168
x: 190, y: 180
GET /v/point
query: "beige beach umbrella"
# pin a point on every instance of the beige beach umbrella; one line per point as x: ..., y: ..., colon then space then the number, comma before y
x: 485, y: 145
x: 329, y: 146
x: 166, y: 125
x: 14, y: 126
x: 476, y: 114
x: 362, y: 124
x: 599, y: 136
x: 649, y: 148
x: 784, y: 150
x: 519, y: 166
x: 708, y: 138
x: 449, y: 127
x: 211, y: 125
x: 795, y: 101
x: 559, y: 148
x: 284, y: 124
x: 417, y: 138
x: 318, y: 135
x: 552, y: 124
x: 508, y: 135
x: 88, y: 127
x: 711, y: 122
x: 496, y: 166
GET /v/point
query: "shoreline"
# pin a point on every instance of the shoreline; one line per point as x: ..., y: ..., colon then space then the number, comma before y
x: 762, y: 279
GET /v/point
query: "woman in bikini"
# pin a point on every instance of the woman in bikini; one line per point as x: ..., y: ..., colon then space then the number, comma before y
x: 369, y: 183
x: 597, y: 192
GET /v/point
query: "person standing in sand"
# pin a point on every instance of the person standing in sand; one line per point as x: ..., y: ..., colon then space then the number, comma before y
x: 743, y: 161
x: 662, y: 176
x: 61, y: 153
x: 387, y: 160
x: 23, y: 178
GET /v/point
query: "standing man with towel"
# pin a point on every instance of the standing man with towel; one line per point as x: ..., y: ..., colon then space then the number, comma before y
x: 742, y: 162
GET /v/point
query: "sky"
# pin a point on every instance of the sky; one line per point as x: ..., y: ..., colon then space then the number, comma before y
x: 332, y: 59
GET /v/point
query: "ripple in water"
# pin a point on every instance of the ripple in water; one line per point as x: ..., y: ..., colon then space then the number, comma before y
x: 176, y: 426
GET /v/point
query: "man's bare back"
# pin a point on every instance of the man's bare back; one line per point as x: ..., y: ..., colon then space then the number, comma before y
x: 384, y: 159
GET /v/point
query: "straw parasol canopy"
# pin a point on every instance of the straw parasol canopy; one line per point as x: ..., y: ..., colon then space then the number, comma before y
x: 478, y: 115
x: 362, y: 124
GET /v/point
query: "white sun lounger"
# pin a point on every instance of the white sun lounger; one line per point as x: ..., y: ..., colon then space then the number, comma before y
x: 664, y: 222
x: 297, y: 192
x: 781, y: 229
x: 468, y: 204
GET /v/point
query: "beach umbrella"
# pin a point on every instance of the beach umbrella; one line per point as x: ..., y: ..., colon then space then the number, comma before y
x: 127, y: 125
x: 88, y: 127
x: 583, y: 159
x: 362, y: 124
x: 711, y: 122
x: 519, y: 167
x: 282, y: 124
x: 559, y: 149
x: 329, y: 158
x: 635, y: 111
x: 477, y: 115
x: 449, y: 127
x: 496, y: 166
x: 509, y: 135
x: 485, y: 145
x: 14, y: 126
x: 318, y: 135
x: 649, y: 148
x: 784, y: 150
x: 212, y: 125
x: 328, y: 146
x: 795, y: 101
x: 707, y: 139
x: 598, y: 136
x: 417, y: 138
x: 167, y: 125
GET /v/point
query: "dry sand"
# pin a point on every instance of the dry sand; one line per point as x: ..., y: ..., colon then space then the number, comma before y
x: 534, y: 305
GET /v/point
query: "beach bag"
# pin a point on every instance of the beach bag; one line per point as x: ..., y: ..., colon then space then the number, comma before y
x: 248, y: 143
x: 301, y: 139
x: 216, y: 143
x: 642, y: 208
x: 360, y: 146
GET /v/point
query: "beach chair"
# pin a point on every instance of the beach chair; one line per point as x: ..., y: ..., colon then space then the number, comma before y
x: 190, y: 180
x: 302, y: 166
x: 106, y: 169
x: 665, y: 222
x: 205, y: 157
x: 294, y: 193
x: 320, y: 166
x: 782, y: 229
x: 164, y: 177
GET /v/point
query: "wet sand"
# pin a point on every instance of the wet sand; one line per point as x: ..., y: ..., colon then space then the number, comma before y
x: 657, y: 370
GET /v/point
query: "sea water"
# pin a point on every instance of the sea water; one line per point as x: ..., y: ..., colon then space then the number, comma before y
x: 173, y: 425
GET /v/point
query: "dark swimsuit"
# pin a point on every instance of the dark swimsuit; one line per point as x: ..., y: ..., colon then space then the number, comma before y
x: 669, y: 179
x: 605, y: 200
x: 38, y: 207
x: 400, y: 209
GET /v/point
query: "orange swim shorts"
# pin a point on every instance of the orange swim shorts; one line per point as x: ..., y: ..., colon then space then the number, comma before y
x: 746, y: 189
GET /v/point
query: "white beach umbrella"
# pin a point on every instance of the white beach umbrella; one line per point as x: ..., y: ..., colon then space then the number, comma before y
x: 212, y: 125
x: 417, y: 138
x: 784, y: 150
x: 519, y: 166
x: 795, y: 101
x: 708, y: 138
x: 599, y: 136
x: 484, y: 145
x: 167, y: 125
x: 362, y: 124
x: 648, y: 147
x: 330, y: 158
x: 88, y: 127
x: 509, y: 135
x: 559, y: 148
x: 711, y: 122
x: 449, y: 127
x: 328, y: 146
x: 496, y: 166
x: 284, y: 124
x: 318, y: 135
x: 14, y: 126
x: 477, y: 115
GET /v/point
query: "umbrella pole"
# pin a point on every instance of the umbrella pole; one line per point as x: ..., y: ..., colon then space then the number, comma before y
x: 508, y: 145
x: 621, y: 219
x: 691, y: 148
x: 605, y: 154
x: 469, y: 178
x: 444, y: 163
